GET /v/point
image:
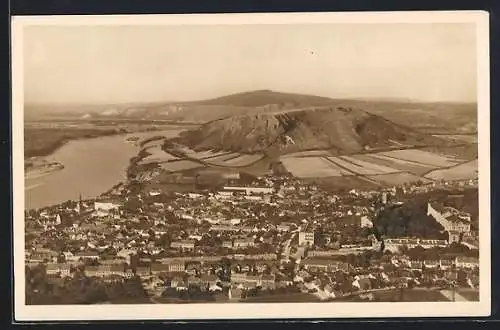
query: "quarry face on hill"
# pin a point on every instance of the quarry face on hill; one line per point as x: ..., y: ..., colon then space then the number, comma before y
x: 336, y: 129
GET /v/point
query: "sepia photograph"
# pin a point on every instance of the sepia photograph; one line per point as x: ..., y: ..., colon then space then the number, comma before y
x: 227, y: 166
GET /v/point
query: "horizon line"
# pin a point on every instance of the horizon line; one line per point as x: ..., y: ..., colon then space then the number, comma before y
x: 359, y: 98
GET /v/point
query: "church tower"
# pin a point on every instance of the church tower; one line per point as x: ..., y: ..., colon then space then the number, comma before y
x: 79, y: 205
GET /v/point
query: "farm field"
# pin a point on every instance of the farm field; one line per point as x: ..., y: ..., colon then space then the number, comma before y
x: 422, y: 157
x: 464, y: 171
x: 309, y: 167
x: 394, y: 167
x: 396, y: 164
x: 460, y: 138
x: 468, y: 151
x: 395, y: 179
x: 180, y: 165
x: 242, y: 160
x: 219, y: 160
x: 157, y: 155
x: 202, y: 154
x: 308, y: 153
x: 362, y: 167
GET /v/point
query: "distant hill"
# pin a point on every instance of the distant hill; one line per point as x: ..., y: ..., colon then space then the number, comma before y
x: 444, y: 118
x: 338, y: 129
x: 265, y: 97
x: 435, y: 118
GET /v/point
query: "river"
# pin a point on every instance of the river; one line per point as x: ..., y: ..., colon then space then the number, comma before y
x: 91, y: 167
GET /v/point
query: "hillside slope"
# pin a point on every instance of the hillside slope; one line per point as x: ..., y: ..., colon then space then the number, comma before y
x: 340, y: 130
x: 266, y: 97
x: 434, y: 118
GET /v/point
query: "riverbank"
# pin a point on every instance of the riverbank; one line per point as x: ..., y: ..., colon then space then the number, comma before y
x: 39, y: 167
x: 91, y: 168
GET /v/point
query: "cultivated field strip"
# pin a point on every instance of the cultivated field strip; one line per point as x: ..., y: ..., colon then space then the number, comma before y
x: 203, y: 154
x: 243, y: 160
x: 157, y: 156
x: 422, y: 157
x: 180, y: 165
x: 464, y: 171
x: 368, y: 165
x: 310, y: 167
x: 395, y: 179
x: 396, y: 164
x: 402, y: 161
x: 357, y: 169
x: 153, y: 143
x: 308, y: 153
x: 220, y: 160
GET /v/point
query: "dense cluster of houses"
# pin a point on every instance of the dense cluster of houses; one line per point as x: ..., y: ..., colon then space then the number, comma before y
x: 279, y: 235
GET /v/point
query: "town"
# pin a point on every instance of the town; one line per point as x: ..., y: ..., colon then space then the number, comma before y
x: 270, y: 238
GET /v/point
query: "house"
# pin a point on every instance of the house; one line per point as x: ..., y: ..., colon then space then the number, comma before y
x: 324, y: 265
x: 62, y: 269
x: 467, y: 262
x: 250, y: 190
x: 183, y: 245
x: 70, y: 257
x: 105, y: 206
x: 431, y: 264
x: 112, y: 279
x: 208, y: 280
x: 227, y: 244
x: 104, y: 270
x: 88, y: 255
x: 446, y: 264
x: 36, y: 258
x: 261, y: 266
x: 193, y: 280
x: 230, y: 228
x: 244, y: 242
x: 168, y: 266
x: 306, y: 238
x: 193, y: 267
x: 416, y: 264
x: 238, y: 277
x: 112, y: 261
x: 178, y: 283
x: 431, y: 243
x: 356, y: 220
x: 454, y: 222
x: 395, y: 244
x: 283, y: 227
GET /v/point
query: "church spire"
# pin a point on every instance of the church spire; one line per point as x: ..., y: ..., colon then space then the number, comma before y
x: 79, y: 205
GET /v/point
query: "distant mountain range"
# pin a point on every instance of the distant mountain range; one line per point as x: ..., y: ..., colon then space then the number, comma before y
x: 442, y: 117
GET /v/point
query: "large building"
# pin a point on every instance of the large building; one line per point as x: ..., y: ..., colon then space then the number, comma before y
x: 250, y: 189
x: 306, y: 238
x: 454, y: 222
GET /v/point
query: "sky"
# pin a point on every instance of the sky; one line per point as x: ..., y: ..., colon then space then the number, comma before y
x: 121, y: 64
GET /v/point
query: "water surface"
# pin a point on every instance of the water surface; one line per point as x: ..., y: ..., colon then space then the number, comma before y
x: 91, y: 167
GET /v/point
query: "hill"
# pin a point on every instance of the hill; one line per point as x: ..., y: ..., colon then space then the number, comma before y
x: 338, y: 129
x: 265, y: 97
x: 434, y: 118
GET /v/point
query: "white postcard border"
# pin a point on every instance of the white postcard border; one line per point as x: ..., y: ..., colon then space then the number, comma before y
x: 24, y: 312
